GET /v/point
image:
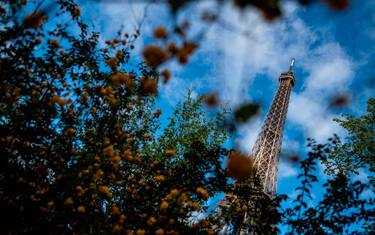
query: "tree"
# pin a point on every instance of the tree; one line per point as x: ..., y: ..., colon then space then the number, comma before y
x: 78, y: 135
x: 358, y: 149
x: 343, y: 205
x: 247, y: 209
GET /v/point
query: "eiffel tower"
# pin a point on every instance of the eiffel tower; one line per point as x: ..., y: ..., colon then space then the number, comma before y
x: 266, y: 151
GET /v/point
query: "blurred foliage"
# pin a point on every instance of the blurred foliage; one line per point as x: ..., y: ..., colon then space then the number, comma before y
x: 245, y: 112
x: 340, y: 100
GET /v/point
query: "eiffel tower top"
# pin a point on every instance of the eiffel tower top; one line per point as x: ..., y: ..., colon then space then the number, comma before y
x: 290, y: 74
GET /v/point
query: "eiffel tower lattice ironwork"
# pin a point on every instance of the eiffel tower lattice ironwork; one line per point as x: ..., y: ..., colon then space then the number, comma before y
x: 266, y: 151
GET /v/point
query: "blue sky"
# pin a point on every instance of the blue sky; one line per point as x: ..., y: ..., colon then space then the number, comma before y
x: 334, y: 54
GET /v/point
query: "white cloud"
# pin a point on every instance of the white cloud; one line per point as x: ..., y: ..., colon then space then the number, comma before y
x: 247, y: 134
x: 291, y: 145
x: 328, y: 68
x: 110, y: 17
x: 236, y: 61
x: 177, y: 88
x: 286, y: 170
x: 330, y: 72
x: 313, y: 115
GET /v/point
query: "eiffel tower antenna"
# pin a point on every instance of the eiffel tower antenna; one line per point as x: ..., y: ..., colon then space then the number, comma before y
x: 291, y: 64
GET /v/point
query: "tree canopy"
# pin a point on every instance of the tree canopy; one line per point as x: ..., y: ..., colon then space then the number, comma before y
x: 82, y: 150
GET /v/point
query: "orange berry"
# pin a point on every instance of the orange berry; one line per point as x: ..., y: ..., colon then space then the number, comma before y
x: 105, y: 190
x: 68, y: 201
x: 195, y: 205
x: 240, y: 166
x: 150, y: 86
x: 115, y: 210
x: 211, y: 99
x: 70, y: 132
x: 171, y: 221
x: 172, y: 48
x: 159, y: 177
x: 166, y: 75
x: 140, y: 232
x: 157, y: 113
x: 164, y: 205
x: 160, y: 32
x: 119, y: 78
x: 55, y: 98
x: 81, y: 209
x: 76, y: 12
x: 170, y: 153
x: 50, y: 203
x: 107, y: 140
x: 159, y: 231
x: 154, y: 55
x: 151, y: 221
x: 55, y: 43
x: 128, y: 155
x: 202, y: 192
x: 34, y: 20
x: 112, y: 62
x: 80, y: 191
x: 119, y: 53
x: 174, y: 192
x: 116, y: 228
x: 116, y: 159
x: 108, y: 151
x: 122, y: 219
